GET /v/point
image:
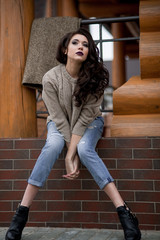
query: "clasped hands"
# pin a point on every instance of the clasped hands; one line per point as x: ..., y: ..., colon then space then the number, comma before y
x: 72, y: 167
x: 72, y: 158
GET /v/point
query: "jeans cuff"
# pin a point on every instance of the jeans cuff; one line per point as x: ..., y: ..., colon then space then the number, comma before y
x: 104, y: 183
x: 35, y: 183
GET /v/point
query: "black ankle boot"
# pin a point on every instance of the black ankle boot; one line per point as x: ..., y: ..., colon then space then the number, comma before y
x: 18, y: 223
x: 129, y: 223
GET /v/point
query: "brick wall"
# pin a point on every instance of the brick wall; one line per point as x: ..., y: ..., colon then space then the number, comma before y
x: 133, y: 162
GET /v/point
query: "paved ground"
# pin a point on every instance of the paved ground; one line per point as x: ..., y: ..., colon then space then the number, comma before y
x: 77, y: 234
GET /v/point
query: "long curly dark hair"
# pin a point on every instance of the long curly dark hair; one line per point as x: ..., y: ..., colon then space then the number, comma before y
x: 93, y: 77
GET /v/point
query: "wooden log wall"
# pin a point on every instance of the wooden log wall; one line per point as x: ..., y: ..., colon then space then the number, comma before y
x: 17, y: 103
x: 137, y: 102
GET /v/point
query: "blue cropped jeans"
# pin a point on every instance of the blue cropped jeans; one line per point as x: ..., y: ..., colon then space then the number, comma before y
x: 86, y: 151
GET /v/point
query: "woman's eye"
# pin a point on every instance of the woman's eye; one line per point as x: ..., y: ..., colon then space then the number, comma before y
x: 85, y: 45
x: 74, y: 42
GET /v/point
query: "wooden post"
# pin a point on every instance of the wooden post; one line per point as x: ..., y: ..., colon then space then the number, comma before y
x: 118, y: 63
x: 49, y: 8
x: 136, y: 104
x: 67, y: 8
x: 17, y: 103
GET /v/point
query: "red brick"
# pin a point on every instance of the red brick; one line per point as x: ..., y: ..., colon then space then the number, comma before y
x: 133, y: 143
x: 80, y: 217
x: 64, y: 184
x: 6, y: 144
x: 49, y: 195
x: 135, y: 185
x: 121, y: 174
x: 127, y: 195
x: 80, y: 195
x: 106, y: 143
x: 6, y: 185
x: 14, y: 174
x: 149, y: 218
x: 6, y: 206
x: 89, y: 184
x: 34, y: 154
x: 21, y: 185
x: 110, y: 163
x: 103, y: 196
x: 24, y: 164
x: 56, y: 174
x: 146, y: 153
x: 36, y: 224
x: 45, y: 216
x: 147, y: 227
x: 156, y: 164
x: 14, y: 154
x: 134, y: 164
x: 147, y: 174
x: 115, y: 153
x: 98, y: 206
x: 6, y: 217
x: 147, y: 196
x: 36, y: 205
x: 6, y: 164
x: 109, y: 218
x: 39, y: 206
x: 84, y: 174
x: 60, y: 164
x: 29, y: 144
x: 156, y: 142
x: 157, y: 185
x: 158, y: 207
x: 141, y: 207
x: 11, y: 195
x: 63, y: 225
x: 99, y: 225
x: 64, y: 206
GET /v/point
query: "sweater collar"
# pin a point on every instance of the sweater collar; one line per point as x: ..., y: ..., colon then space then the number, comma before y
x: 67, y: 75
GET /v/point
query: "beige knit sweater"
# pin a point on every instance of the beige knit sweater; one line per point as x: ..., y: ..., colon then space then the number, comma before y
x: 58, y: 87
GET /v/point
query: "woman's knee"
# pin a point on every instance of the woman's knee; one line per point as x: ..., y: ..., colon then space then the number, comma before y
x: 54, y: 144
x: 84, y: 152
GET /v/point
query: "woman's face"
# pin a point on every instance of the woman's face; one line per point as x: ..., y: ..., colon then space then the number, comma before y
x: 77, y: 48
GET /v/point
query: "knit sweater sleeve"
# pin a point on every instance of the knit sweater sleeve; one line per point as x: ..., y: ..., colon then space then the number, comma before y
x: 89, y: 112
x: 56, y: 114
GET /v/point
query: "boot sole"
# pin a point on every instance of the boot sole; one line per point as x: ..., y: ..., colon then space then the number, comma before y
x: 137, y: 238
x: 6, y: 238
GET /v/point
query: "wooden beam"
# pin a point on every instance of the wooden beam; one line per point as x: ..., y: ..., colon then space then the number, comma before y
x: 118, y: 63
x: 138, y: 96
x: 105, y: 9
x: 49, y: 8
x: 132, y: 50
x: 150, y: 39
x: 136, y: 104
x: 67, y: 8
x: 136, y: 125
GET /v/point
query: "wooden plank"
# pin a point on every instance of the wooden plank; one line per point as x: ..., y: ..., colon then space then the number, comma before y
x: 135, y: 125
x: 17, y: 103
x: 137, y: 96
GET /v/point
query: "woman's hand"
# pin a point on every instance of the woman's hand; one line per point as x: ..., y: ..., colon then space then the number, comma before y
x: 72, y: 158
x: 72, y: 167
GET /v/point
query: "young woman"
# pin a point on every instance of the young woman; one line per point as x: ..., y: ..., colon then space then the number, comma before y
x: 73, y: 92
